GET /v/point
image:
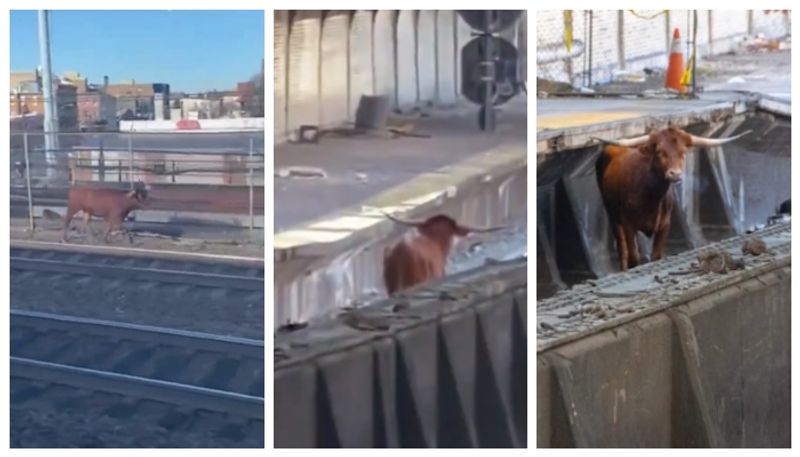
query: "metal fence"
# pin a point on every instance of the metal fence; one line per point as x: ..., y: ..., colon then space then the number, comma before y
x: 112, y: 159
x: 589, y: 47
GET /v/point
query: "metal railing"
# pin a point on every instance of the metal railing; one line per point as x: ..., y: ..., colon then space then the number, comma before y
x: 223, y: 160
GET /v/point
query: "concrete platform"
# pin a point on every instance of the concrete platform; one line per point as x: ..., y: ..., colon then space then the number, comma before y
x: 362, y: 167
x: 570, y: 123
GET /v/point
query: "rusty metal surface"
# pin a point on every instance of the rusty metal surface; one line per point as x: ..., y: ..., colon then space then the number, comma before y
x: 593, y: 306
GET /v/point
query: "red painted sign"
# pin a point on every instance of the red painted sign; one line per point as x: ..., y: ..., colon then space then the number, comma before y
x: 188, y: 124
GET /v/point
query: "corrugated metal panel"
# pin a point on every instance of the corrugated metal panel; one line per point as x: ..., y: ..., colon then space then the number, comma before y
x: 384, y: 54
x: 360, y: 58
x: 522, y: 45
x: 446, y: 56
x: 406, y: 61
x: 281, y: 33
x: 426, y: 56
x: 304, y: 70
x: 463, y: 36
x: 335, y: 31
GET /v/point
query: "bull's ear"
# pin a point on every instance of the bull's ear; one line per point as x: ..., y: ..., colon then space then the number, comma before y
x: 687, y: 139
x: 131, y: 194
x: 461, y: 231
x: 650, y: 146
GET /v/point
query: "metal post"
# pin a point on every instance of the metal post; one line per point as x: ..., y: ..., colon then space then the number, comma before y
x: 28, y: 180
x: 101, y: 163
x: 250, y: 182
x: 621, y: 38
x: 591, y: 44
x: 694, y: 54
x: 50, y: 116
x: 488, y: 76
x: 130, y: 160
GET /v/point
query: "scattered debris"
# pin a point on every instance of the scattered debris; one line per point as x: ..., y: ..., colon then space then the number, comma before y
x: 301, y: 172
x: 605, y: 294
x: 546, y: 326
x: 754, y: 247
x: 360, y: 321
x: 719, y: 262
x: 406, y: 129
x: 401, y: 306
x: 292, y: 326
x: 760, y: 43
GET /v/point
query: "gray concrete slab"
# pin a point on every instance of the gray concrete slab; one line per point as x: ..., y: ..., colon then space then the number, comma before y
x: 359, y: 168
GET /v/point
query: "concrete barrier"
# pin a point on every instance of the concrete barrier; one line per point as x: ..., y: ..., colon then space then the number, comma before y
x: 447, y: 372
x: 702, y: 362
x: 243, y: 124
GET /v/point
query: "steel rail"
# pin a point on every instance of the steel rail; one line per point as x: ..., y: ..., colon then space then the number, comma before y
x: 192, y: 340
x: 141, y: 274
x: 195, y: 397
x: 248, y: 262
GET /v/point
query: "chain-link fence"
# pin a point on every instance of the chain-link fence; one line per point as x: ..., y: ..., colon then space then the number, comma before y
x: 589, y: 47
x: 196, y: 167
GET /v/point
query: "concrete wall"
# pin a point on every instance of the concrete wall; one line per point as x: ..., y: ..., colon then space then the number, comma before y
x: 443, y: 374
x: 714, y: 371
x: 208, y: 125
x: 326, y: 60
x: 624, y: 40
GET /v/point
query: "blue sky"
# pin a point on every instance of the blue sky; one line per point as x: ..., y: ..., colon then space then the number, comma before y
x: 189, y: 50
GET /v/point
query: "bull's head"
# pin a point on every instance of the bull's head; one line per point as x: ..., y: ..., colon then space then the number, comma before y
x: 443, y: 228
x: 139, y: 191
x: 667, y: 149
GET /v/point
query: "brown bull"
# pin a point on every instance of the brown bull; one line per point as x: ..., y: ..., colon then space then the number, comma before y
x: 635, y: 177
x: 113, y: 205
x: 421, y: 255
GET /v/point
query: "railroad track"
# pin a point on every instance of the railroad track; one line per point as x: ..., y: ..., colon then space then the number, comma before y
x: 56, y: 360
x: 195, y: 273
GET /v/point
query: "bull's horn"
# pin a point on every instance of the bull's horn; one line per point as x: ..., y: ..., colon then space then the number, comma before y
x: 410, y: 223
x: 482, y: 229
x: 710, y: 142
x: 630, y: 142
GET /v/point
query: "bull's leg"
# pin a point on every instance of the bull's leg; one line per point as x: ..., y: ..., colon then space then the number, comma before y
x: 622, y: 246
x: 633, y: 249
x: 660, y: 241
x: 114, y: 222
x: 71, y: 210
x: 87, y: 227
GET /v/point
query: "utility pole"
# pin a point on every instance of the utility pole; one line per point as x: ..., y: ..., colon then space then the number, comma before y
x: 50, y: 116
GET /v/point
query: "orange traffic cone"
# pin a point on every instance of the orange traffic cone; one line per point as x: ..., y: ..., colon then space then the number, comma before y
x: 675, y: 67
